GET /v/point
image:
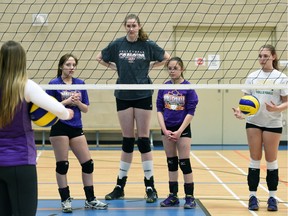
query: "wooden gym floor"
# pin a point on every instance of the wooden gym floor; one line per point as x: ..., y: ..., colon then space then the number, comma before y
x: 219, y: 176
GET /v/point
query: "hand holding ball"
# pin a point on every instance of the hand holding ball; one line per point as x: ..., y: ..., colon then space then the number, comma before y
x: 42, y: 117
x: 249, y: 105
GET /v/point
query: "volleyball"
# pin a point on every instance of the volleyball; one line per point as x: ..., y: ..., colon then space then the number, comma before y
x: 249, y: 105
x: 42, y: 117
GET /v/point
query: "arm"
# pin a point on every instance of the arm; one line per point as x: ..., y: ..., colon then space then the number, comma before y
x: 35, y: 94
x: 158, y: 64
x: 237, y: 113
x: 176, y: 134
x: 162, y: 124
x: 75, y: 99
x: 281, y: 107
x: 185, y: 123
x: 191, y: 102
x: 160, y: 115
x: 106, y: 64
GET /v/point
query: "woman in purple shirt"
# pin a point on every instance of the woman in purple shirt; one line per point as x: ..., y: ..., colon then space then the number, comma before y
x: 175, y: 110
x: 18, y: 176
x: 69, y: 134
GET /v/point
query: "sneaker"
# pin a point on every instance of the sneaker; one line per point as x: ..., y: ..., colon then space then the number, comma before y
x: 117, y: 193
x: 253, y: 204
x: 272, y: 204
x: 66, y: 205
x: 189, y: 202
x: 151, y: 195
x: 171, y: 200
x: 96, y: 204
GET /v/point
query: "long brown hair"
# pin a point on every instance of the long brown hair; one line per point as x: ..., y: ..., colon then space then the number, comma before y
x: 13, y: 78
x: 141, y: 34
x: 273, y: 52
x: 62, y: 61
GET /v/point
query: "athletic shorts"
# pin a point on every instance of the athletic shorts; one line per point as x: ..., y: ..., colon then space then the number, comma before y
x: 145, y: 103
x: 273, y: 130
x: 61, y: 129
x: 185, y: 133
x: 18, y: 190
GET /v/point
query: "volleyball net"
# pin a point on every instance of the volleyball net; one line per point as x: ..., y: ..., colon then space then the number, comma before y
x: 218, y: 41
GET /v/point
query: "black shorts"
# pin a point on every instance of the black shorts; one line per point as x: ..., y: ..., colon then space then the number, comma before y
x: 274, y: 130
x: 20, y: 184
x: 185, y: 133
x: 61, y: 129
x: 145, y: 103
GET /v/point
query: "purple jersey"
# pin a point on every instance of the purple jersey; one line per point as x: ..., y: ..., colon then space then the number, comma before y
x: 61, y: 95
x: 176, y: 104
x: 17, y: 144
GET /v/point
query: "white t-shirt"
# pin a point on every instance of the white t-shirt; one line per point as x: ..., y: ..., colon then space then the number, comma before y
x: 264, y: 118
x: 35, y: 94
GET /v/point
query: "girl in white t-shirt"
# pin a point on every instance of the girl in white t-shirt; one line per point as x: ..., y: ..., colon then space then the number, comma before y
x: 265, y: 127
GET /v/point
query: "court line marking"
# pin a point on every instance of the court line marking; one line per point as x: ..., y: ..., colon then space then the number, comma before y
x: 245, y: 173
x: 113, y: 206
x: 39, y: 153
x: 220, y: 181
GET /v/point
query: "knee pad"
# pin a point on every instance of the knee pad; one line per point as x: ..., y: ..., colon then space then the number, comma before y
x: 253, y: 179
x: 272, y: 165
x: 128, y: 144
x: 254, y: 164
x: 144, y: 145
x: 88, y: 167
x: 185, y: 165
x: 172, y: 163
x: 62, y: 167
x: 272, y: 179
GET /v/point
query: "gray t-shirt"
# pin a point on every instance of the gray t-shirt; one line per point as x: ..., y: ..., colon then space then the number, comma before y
x: 132, y: 60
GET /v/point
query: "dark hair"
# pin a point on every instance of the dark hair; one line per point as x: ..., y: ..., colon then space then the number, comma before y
x: 273, y: 52
x: 62, y: 61
x: 179, y: 62
x: 142, y: 35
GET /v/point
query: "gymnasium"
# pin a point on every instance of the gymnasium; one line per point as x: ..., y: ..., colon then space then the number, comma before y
x: 219, y: 43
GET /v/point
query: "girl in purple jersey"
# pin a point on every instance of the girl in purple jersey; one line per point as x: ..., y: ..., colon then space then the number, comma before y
x: 18, y: 176
x: 69, y: 134
x: 175, y: 111
x: 265, y: 127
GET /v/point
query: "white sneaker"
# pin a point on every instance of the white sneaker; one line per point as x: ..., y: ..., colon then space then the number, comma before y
x: 96, y: 204
x: 66, y: 205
